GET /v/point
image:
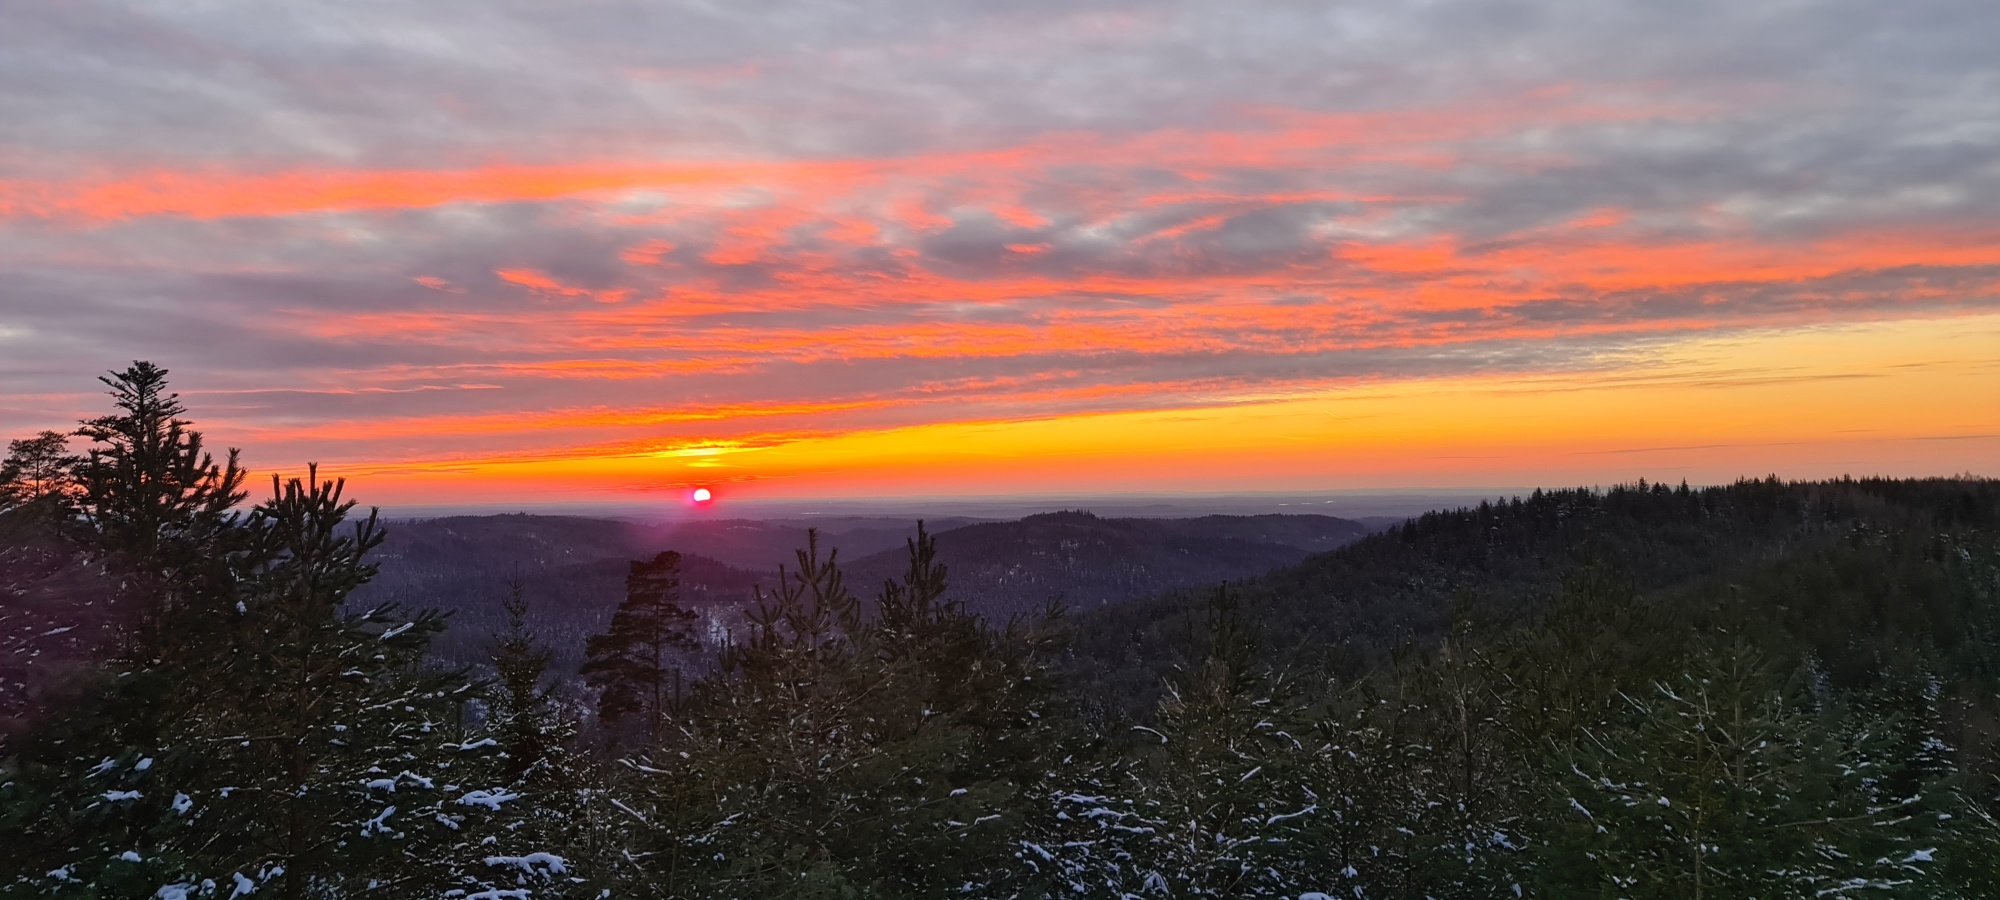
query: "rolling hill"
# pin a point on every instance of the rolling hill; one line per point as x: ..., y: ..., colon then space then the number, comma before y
x: 572, y: 569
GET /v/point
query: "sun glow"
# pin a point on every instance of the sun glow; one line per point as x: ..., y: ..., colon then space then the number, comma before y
x: 1891, y: 398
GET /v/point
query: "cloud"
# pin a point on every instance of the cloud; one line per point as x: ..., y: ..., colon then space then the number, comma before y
x: 619, y: 219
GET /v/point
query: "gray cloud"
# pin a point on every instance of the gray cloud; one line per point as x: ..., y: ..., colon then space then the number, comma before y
x: 1138, y: 188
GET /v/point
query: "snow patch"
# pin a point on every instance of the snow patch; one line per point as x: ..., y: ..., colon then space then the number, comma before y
x: 489, y: 799
x: 375, y: 824
x: 549, y: 863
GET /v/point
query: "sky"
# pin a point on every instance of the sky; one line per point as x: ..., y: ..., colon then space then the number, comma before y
x: 497, y: 251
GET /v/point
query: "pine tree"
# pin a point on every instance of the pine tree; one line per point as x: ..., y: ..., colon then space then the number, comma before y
x: 1219, y: 792
x: 356, y: 780
x: 284, y: 743
x: 304, y: 752
x: 635, y: 665
x: 558, y: 831
x: 1722, y: 786
x: 1367, y: 777
x: 912, y: 604
x: 561, y: 838
x: 835, y: 755
x: 162, y: 527
x: 38, y: 469
x: 1470, y: 781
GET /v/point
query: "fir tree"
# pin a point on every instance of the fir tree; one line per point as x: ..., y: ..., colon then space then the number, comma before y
x: 156, y: 497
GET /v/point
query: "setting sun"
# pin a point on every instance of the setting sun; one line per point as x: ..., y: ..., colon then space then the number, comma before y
x: 1246, y: 448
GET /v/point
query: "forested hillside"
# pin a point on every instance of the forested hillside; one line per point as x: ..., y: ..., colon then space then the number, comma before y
x: 572, y: 568
x: 1764, y: 689
x: 1502, y: 565
x: 1002, y: 569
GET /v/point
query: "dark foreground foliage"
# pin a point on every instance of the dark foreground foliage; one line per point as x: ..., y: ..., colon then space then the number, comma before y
x: 1761, y: 690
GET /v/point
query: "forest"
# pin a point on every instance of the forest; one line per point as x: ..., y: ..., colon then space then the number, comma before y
x: 572, y: 568
x: 1766, y: 689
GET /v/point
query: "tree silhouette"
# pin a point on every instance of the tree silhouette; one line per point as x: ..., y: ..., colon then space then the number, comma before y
x: 37, y: 468
x: 154, y: 495
x: 636, y: 662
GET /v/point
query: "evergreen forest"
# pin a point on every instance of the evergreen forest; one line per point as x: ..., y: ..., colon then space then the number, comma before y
x: 1765, y: 689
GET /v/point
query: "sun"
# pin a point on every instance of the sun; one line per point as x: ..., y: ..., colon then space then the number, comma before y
x: 701, y: 495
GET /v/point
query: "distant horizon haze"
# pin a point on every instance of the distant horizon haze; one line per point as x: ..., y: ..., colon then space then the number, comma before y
x: 1342, y: 504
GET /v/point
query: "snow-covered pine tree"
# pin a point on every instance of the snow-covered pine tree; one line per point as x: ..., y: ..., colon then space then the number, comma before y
x: 343, y: 774
x: 1470, y: 780
x: 1365, y: 776
x: 522, y: 710
x: 304, y: 752
x: 1723, y: 784
x: 1216, y: 807
x: 548, y: 832
x: 835, y: 755
x: 165, y: 542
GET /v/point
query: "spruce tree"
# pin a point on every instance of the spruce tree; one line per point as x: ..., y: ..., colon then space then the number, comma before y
x: 521, y: 702
x: 908, y: 606
x: 162, y: 529
x: 1470, y: 780
x: 545, y: 845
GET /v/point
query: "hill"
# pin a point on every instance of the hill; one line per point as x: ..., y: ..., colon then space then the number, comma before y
x: 1001, y: 569
x: 1502, y: 565
x: 572, y: 569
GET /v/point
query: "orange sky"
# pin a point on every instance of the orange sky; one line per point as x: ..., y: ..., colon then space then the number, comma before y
x: 988, y: 257
x: 1894, y: 398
